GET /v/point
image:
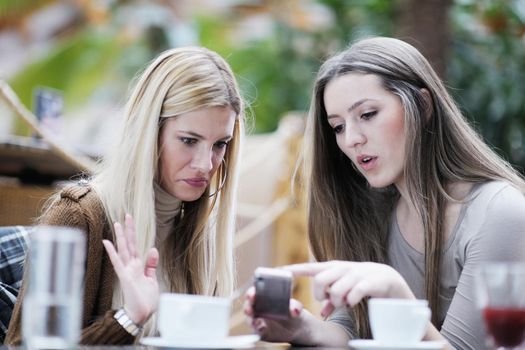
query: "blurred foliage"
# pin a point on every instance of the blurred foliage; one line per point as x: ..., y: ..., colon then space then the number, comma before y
x: 487, y: 71
x: 276, y: 71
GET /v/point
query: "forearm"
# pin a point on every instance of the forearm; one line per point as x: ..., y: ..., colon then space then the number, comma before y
x: 433, y: 334
x: 317, y: 332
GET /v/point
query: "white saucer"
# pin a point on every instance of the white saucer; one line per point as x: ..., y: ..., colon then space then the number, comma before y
x: 367, y: 344
x: 234, y: 342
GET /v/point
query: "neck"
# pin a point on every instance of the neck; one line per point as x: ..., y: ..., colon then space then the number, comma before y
x: 167, y: 209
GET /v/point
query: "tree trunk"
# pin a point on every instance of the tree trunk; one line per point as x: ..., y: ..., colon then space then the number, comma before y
x: 425, y: 24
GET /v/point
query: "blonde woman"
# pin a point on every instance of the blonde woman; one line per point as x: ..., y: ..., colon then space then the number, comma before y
x: 405, y: 200
x: 170, y: 182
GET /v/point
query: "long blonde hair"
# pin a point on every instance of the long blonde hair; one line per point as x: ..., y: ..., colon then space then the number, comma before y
x: 198, y: 259
x: 349, y: 220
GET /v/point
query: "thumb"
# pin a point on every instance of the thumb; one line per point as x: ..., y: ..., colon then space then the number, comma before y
x: 152, y: 260
x: 295, y: 307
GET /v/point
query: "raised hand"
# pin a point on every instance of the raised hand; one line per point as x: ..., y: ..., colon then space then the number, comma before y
x: 138, y: 280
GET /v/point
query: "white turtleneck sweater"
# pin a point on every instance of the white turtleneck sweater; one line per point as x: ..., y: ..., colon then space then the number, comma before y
x: 167, y: 209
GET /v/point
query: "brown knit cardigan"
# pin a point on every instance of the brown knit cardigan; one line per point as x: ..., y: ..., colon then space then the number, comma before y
x: 79, y: 206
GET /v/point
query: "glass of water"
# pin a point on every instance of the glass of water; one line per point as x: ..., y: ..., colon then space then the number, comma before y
x: 52, y: 305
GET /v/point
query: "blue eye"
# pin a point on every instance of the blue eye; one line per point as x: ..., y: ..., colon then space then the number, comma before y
x: 188, y: 140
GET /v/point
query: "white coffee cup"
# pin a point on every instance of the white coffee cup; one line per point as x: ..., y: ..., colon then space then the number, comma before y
x: 183, y: 316
x: 398, y: 321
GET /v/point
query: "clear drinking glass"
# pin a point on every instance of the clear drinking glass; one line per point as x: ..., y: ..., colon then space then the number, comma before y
x: 501, y: 296
x: 52, y: 307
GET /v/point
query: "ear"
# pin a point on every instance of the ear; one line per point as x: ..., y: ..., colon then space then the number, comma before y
x: 428, y: 103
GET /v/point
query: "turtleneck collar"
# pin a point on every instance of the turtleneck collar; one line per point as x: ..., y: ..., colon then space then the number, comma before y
x: 167, y: 208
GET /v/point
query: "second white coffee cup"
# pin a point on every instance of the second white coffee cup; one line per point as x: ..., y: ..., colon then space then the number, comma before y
x: 398, y: 321
x: 183, y: 316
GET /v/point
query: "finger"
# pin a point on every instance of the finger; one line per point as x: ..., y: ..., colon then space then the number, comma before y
x: 260, y: 326
x: 122, y: 246
x: 295, y: 308
x: 247, y: 307
x: 250, y: 292
x: 326, y: 308
x: 358, y: 292
x: 152, y: 260
x: 131, y: 236
x: 113, y: 257
x: 340, y: 288
x: 323, y: 280
x: 307, y: 269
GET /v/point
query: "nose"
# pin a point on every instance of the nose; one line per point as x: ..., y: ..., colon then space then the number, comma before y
x: 354, y: 136
x: 203, y: 160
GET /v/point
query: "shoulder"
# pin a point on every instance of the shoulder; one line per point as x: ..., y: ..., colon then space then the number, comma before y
x: 74, y: 205
x: 494, y: 224
x: 499, y: 197
x: 76, y: 192
x: 496, y: 216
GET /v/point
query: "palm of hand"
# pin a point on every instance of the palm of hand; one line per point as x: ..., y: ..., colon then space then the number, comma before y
x: 138, y: 281
x: 141, y: 292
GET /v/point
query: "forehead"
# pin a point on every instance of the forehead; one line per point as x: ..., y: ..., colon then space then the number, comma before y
x: 204, y: 121
x: 353, y: 86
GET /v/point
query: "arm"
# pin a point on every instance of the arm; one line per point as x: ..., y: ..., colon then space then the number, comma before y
x: 346, y: 283
x: 500, y: 237
x: 79, y: 207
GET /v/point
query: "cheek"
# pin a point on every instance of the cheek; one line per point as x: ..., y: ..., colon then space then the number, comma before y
x: 395, y: 132
x: 216, y: 161
x: 339, y: 139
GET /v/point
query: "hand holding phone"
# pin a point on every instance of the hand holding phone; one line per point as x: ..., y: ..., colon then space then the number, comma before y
x: 273, y: 289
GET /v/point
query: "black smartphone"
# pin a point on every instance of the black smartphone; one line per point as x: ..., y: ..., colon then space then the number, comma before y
x: 273, y: 289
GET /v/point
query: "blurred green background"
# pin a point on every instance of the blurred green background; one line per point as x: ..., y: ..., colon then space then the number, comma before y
x: 275, y: 48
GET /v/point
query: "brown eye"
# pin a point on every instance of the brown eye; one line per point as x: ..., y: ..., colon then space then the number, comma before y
x: 188, y: 140
x: 368, y: 115
x: 221, y: 144
x: 338, y: 128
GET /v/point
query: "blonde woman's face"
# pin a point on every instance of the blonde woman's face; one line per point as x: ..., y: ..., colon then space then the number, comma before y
x: 192, y: 147
x: 368, y: 124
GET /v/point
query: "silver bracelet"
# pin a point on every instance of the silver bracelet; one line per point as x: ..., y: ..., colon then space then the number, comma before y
x: 127, y: 323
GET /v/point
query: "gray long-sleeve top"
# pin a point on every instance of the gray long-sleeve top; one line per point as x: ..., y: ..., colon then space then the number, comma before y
x: 490, y: 227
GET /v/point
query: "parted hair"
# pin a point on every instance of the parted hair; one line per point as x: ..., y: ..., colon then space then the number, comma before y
x: 198, y: 258
x: 347, y: 218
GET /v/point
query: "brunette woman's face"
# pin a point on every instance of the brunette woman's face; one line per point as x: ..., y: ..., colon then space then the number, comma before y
x: 192, y: 147
x: 368, y: 124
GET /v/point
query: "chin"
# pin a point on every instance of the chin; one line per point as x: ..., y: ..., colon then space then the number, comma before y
x: 189, y: 197
x: 378, y: 184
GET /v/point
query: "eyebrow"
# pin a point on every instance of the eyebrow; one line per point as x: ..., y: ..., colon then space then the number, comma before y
x: 200, y: 137
x: 352, y: 107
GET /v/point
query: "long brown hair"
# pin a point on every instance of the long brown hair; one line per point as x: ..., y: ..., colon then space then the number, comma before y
x: 349, y: 220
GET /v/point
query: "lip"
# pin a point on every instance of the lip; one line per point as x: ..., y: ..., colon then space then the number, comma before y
x: 368, y: 165
x: 197, y: 182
